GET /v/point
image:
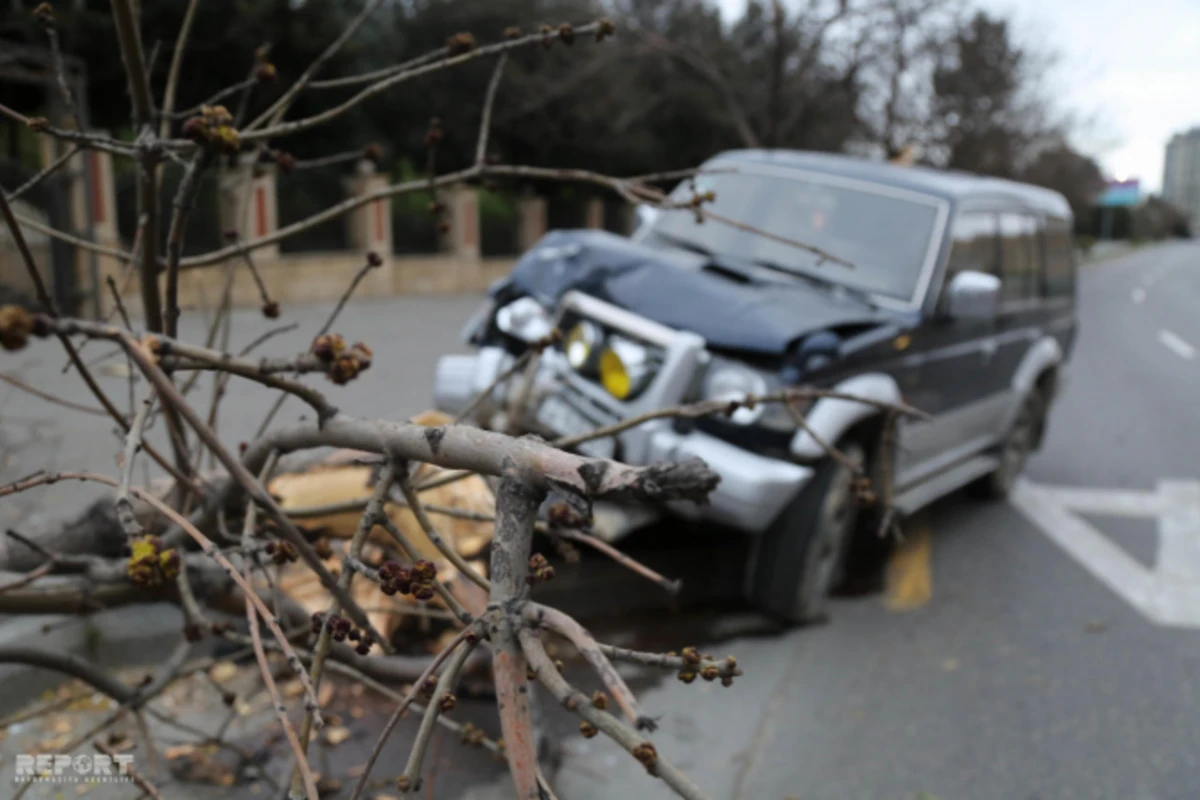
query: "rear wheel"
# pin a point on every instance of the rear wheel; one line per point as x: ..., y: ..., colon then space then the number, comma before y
x: 1021, y: 440
x: 801, y: 557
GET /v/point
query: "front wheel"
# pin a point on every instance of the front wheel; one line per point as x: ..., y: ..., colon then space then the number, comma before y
x: 1015, y: 449
x: 800, y: 558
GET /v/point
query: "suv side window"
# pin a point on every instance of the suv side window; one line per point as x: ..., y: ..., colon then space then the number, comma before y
x: 1060, y: 267
x: 973, y: 244
x: 1020, y: 256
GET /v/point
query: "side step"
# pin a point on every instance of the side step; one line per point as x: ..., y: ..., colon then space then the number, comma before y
x: 943, y: 483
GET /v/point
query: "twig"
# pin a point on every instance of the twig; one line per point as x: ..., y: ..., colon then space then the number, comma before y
x: 333, y: 315
x: 9, y: 379
x: 253, y: 133
x: 266, y: 336
x: 263, y: 294
x: 619, y: 732
x: 181, y: 42
x: 489, y: 103
x: 49, y: 170
x: 202, y: 358
x: 60, y: 71
x: 185, y: 199
x: 411, y: 777
x: 327, y: 161
x: 500, y: 379
x: 404, y: 704
x: 459, y: 613
x: 370, y: 516
x: 130, y: 41
x: 304, y: 777
x: 672, y: 587
x: 133, y: 443
x: 92, y: 141
x: 28, y: 578
x: 280, y: 106
x: 345, y: 298
x: 726, y: 668
x: 705, y: 408
x: 375, y: 75
x: 418, y: 511
x: 211, y: 101
x: 587, y: 646
x: 134, y: 775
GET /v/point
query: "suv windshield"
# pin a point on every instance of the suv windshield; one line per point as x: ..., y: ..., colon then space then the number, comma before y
x: 885, y: 236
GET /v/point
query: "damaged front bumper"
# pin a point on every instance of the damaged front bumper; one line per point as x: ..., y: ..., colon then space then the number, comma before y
x: 753, y: 489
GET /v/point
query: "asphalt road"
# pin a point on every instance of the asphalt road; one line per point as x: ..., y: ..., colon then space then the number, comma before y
x: 1013, y: 658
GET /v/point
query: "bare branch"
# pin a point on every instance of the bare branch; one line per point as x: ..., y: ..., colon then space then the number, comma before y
x: 489, y: 103
x: 280, y: 106
x: 185, y: 198
x: 628, y: 738
x: 49, y: 170
x: 295, y: 126
x: 11, y: 381
x: 447, y: 651
x: 138, y: 779
x: 444, y: 547
x: 672, y: 587
x: 410, y: 780
x: 181, y: 42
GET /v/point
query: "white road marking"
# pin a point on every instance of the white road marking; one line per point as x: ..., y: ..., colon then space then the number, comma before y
x: 1167, y: 594
x: 1139, y: 295
x: 1176, y: 345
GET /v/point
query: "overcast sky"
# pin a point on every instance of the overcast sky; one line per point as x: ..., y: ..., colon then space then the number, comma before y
x: 1131, y: 68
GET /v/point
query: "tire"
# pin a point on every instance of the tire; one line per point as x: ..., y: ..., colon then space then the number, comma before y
x: 800, y: 558
x: 1019, y: 442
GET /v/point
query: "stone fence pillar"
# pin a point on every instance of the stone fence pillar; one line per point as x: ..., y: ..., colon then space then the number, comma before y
x: 462, y: 213
x: 369, y: 227
x: 593, y: 214
x: 531, y: 211
x: 249, y: 203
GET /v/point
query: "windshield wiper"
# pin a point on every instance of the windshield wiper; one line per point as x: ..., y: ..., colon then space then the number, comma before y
x: 816, y: 280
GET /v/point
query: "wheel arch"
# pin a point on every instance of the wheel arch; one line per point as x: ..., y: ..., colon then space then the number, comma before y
x: 831, y: 419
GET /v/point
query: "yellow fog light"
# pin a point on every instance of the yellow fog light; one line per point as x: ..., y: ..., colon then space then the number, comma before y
x: 624, y: 368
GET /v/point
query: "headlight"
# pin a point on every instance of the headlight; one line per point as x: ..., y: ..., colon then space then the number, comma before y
x: 525, y: 319
x: 625, y: 368
x: 731, y: 382
x: 582, y: 346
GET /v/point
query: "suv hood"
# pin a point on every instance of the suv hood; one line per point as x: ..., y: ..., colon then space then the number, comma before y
x: 671, y: 287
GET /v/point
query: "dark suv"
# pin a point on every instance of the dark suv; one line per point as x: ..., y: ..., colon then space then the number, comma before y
x: 960, y: 302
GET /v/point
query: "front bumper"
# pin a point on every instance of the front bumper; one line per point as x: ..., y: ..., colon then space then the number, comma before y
x: 753, y: 490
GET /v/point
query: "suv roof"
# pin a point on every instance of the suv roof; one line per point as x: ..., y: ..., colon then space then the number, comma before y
x: 951, y: 185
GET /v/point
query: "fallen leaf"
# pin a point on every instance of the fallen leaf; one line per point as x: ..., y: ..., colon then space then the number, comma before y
x: 293, y: 688
x: 336, y: 735
x: 117, y: 370
x: 223, y: 671
x: 357, y: 712
x: 328, y: 786
x: 325, y: 694
x: 1095, y: 627
x: 179, y: 751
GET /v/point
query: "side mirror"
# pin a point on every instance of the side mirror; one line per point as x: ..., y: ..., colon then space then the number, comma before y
x: 972, y: 295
